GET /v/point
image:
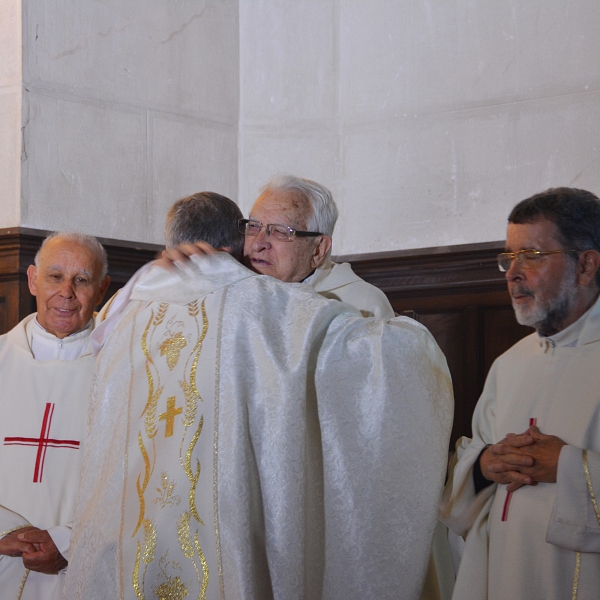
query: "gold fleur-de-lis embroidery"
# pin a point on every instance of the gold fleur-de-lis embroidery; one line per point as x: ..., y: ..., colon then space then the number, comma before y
x: 172, y: 348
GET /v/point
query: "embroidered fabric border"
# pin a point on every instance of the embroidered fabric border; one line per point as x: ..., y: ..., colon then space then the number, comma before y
x: 216, y: 445
x: 590, y: 487
x: 588, y: 480
x: 22, y: 586
x: 576, y: 575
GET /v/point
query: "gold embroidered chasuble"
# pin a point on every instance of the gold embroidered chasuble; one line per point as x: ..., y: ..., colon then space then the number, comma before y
x: 252, y: 440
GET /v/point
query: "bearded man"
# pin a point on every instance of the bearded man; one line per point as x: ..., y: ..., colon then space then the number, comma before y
x: 45, y: 373
x: 523, y: 488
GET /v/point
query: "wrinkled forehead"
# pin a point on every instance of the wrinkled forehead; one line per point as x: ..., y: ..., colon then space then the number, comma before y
x: 540, y: 234
x: 282, y: 207
x: 66, y: 255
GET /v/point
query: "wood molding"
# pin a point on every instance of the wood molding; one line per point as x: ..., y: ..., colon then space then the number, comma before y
x: 432, y: 271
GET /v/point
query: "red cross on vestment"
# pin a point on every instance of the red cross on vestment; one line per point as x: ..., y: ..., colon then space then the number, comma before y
x: 42, y: 443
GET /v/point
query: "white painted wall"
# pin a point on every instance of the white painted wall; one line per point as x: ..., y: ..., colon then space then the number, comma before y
x: 128, y: 105
x: 10, y: 112
x: 428, y: 119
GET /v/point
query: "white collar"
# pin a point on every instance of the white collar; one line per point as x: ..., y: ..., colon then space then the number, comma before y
x: 46, y: 346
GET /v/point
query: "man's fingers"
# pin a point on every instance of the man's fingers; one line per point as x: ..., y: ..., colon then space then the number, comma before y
x: 510, y: 461
x: 508, y: 445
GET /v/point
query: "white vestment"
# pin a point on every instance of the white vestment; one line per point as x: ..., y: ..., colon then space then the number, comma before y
x: 42, y: 431
x: 340, y: 282
x: 525, y: 545
x: 252, y: 440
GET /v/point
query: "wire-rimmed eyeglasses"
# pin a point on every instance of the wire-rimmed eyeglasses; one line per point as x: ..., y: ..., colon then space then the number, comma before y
x: 527, y: 259
x: 283, y: 233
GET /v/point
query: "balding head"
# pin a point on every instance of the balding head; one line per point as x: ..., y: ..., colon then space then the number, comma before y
x: 68, y: 280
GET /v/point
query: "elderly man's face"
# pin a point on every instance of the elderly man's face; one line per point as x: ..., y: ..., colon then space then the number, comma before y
x: 67, y: 286
x: 288, y: 261
x: 549, y: 297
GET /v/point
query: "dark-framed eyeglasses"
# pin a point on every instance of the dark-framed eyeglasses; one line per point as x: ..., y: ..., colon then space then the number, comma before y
x: 283, y: 233
x: 528, y: 259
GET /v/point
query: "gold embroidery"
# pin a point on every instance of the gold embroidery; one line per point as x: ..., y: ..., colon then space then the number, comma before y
x: 169, y: 416
x: 166, y: 495
x: 185, y: 538
x: 576, y: 576
x: 216, y: 446
x: 193, y: 309
x: 152, y: 402
x: 590, y: 487
x: 22, y: 584
x: 187, y: 547
x: 199, y: 346
x: 135, y: 578
x: 142, y: 488
x: 147, y: 557
x: 193, y: 477
x: 149, y: 541
x: 173, y: 589
x: 202, y: 595
x: 163, y: 307
x: 172, y: 348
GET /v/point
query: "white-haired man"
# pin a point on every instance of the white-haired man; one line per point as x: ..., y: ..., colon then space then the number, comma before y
x: 45, y: 374
x: 288, y: 236
x: 526, y: 500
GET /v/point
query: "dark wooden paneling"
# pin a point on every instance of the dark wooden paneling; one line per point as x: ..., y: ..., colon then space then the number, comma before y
x: 18, y: 247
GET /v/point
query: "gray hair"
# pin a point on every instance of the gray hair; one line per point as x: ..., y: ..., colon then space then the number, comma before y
x: 205, y: 217
x: 324, y: 212
x: 89, y: 241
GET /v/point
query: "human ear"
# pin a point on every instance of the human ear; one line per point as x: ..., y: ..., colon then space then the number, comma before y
x: 321, y: 251
x: 31, y: 277
x: 588, y: 264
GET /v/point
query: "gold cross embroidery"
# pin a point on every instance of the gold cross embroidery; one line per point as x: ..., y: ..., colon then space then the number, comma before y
x: 169, y: 416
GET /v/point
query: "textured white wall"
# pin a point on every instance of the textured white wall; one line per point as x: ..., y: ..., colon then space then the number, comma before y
x: 128, y: 105
x: 10, y: 112
x: 428, y: 119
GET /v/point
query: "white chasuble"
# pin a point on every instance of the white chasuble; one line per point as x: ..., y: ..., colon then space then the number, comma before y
x: 43, y: 407
x: 541, y: 541
x: 251, y: 440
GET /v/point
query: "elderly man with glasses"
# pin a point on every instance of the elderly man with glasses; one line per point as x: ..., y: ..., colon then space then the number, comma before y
x: 523, y: 489
x: 288, y: 236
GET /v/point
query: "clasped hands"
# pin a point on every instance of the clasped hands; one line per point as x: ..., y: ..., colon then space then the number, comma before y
x: 522, y: 459
x: 36, y: 548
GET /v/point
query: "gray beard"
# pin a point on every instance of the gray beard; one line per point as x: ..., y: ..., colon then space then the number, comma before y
x: 547, y: 318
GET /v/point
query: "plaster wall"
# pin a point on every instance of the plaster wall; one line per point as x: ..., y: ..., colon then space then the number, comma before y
x: 128, y: 105
x: 10, y: 112
x: 428, y: 120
